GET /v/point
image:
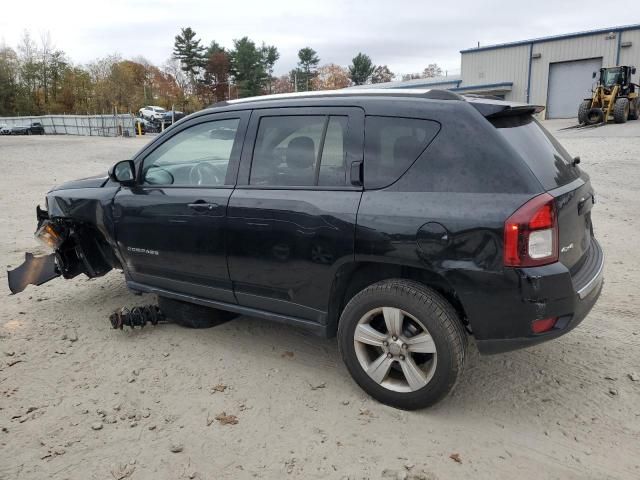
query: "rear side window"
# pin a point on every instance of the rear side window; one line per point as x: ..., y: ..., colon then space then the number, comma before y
x: 392, y: 144
x: 543, y: 154
x: 300, y: 150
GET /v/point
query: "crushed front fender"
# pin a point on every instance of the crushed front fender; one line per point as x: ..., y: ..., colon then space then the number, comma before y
x: 34, y: 271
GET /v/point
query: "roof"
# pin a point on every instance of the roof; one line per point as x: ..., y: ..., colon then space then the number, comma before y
x: 487, y: 106
x: 552, y: 38
x: 421, y: 92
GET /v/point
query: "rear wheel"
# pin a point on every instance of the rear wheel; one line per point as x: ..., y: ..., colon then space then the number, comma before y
x: 583, y: 110
x: 402, y: 343
x: 192, y: 315
x: 621, y: 110
x: 633, y: 112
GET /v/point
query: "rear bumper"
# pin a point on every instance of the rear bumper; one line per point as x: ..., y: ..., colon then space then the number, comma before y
x: 586, y: 286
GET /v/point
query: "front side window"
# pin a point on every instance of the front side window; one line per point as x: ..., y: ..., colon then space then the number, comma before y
x: 197, y: 156
x: 300, y: 150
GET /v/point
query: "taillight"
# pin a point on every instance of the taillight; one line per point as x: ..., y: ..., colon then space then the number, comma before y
x: 531, y: 234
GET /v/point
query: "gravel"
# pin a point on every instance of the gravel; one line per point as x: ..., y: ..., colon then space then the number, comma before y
x: 504, y: 422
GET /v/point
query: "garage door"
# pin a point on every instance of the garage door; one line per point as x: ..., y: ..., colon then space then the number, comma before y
x: 569, y: 84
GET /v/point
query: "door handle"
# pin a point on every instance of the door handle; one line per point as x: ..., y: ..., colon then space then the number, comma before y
x: 202, y: 206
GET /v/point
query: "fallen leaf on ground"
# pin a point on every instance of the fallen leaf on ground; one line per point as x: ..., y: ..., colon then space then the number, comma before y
x: 455, y: 457
x: 219, y: 387
x: 287, y: 354
x: 225, y: 419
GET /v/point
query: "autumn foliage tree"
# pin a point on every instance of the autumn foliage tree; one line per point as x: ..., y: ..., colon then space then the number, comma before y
x: 432, y: 70
x: 331, y: 77
x: 382, y: 74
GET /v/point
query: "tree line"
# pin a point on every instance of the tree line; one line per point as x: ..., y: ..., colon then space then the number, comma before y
x: 37, y: 78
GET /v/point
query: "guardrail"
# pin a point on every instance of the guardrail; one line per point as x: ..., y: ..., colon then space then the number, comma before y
x: 122, y: 125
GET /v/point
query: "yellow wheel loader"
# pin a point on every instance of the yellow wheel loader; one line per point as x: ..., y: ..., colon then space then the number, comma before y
x: 614, y: 97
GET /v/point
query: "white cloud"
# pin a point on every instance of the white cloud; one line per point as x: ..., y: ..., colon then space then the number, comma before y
x: 406, y: 35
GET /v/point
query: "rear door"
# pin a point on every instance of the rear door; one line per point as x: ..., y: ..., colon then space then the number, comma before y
x: 170, y: 227
x: 292, y: 216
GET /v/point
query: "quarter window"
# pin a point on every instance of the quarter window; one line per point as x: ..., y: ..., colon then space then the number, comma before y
x: 300, y: 151
x: 391, y: 146
x: 197, y: 156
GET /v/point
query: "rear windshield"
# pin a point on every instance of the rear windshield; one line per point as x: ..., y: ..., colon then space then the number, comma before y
x: 547, y: 159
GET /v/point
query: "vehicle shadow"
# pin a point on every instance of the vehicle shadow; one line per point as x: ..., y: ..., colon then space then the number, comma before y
x: 524, y: 382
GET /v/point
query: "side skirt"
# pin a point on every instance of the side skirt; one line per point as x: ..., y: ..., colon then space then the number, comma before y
x: 316, y: 328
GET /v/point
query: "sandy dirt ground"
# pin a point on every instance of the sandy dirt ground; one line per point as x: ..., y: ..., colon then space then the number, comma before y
x: 79, y: 400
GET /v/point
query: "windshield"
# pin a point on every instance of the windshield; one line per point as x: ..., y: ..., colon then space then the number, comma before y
x: 612, y: 76
x: 547, y: 159
x: 159, y: 110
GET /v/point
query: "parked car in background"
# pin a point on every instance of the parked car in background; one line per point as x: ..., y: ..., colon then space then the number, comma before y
x: 145, y: 126
x: 174, y: 115
x: 4, y: 130
x: 152, y: 112
x: 35, y: 128
x: 404, y: 222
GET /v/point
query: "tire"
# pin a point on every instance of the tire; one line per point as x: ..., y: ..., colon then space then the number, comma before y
x: 583, y: 109
x: 440, y: 362
x: 191, y: 315
x: 595, y: 115
x: 635, y: 112
x: 621, y: 110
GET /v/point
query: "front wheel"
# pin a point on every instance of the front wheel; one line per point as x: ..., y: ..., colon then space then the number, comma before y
x: 621, y: 110
x: 192, y: 315
x: 583, y: 110
x: 403, y: 343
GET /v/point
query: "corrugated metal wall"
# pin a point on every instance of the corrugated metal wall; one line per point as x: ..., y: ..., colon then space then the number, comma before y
x: 511, y: 64
x: 566, y: 50
x: 631, y: 55
x: 496, y: 66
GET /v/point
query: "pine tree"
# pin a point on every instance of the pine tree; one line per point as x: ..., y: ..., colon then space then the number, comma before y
x: 247, y: 67
x: 361, y: 69
x: 308, y: 61
x: 188, y: 50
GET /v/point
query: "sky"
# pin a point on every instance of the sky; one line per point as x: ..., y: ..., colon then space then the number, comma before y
x: 406, y: 35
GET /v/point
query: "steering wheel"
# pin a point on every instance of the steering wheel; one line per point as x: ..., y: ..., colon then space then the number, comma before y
x: 205, y: 174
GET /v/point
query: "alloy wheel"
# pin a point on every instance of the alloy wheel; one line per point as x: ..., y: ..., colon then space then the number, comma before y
x: 395, y: 349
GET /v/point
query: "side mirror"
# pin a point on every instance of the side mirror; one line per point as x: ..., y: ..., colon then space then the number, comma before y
x: 123, y: 172
x: 633, y: 70
x: 593, y: 75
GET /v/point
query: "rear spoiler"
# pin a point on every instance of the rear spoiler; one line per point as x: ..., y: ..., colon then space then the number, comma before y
x: 492, y: 108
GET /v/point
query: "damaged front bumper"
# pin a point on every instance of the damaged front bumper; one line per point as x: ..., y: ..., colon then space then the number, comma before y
x: 34, y: 271
x: 77, y: 249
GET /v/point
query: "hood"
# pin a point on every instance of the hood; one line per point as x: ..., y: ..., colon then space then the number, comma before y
x: 96, y: 181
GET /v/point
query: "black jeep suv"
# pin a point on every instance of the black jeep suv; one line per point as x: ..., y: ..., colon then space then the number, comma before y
x: 402, y: 221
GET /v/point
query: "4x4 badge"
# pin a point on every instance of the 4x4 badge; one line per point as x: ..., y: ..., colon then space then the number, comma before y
x: 567, y: 248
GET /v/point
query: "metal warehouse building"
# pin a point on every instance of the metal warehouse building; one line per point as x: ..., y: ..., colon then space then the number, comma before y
x: 552, y: 71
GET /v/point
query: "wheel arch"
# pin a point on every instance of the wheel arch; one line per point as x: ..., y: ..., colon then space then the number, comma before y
x: 353, y: 277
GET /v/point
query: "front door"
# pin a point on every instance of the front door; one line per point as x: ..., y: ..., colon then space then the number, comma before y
x: 170, y: 227
x: 292, y: 216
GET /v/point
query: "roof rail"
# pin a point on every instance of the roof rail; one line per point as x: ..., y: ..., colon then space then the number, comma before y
x: 433, y: 94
